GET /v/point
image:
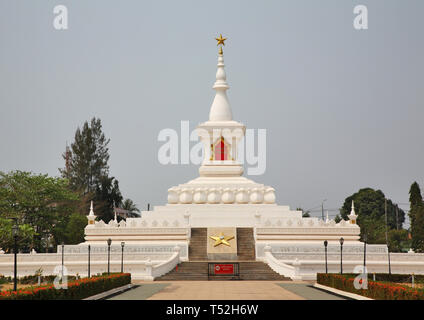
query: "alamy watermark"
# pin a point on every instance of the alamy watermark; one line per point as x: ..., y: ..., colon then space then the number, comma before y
x: 360, y: 22
x: 361, y: 280
x: 60, y: 20
x: 61, y: 280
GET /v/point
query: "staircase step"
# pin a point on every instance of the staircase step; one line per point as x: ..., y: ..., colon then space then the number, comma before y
x: 249, y: 270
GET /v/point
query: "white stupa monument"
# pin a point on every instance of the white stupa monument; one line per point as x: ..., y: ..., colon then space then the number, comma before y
x: 222, y: 215
x: 221, y: 196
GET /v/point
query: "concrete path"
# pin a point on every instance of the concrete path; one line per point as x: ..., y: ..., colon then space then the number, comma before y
x: 142, y: 292
x: 308, y: 292
x: 224, y: 290
x: 208, y: 290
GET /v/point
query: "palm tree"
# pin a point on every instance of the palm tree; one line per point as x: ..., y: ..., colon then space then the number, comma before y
x: 130, y: 206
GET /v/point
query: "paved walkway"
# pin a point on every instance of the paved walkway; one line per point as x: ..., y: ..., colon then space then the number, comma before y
x: 224, y: 290
x: 308, y: 292
x: 142, y: 292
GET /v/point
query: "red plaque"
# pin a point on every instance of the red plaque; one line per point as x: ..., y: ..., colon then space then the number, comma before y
x: 224, y: 268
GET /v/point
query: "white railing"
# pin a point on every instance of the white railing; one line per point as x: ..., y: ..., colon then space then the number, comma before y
x: 141, y: 266
x: 280, y: 267
x: 166, y: 266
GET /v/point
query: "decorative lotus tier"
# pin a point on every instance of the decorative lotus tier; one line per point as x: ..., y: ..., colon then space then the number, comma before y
x: 221, y: 195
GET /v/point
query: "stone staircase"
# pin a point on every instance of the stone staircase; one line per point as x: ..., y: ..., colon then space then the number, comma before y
x: 257, y: 270
x: 196, y: 270
x: 245, y: 244
x: 197, y: 248
x: 187, y: 271
x: 197, y: 267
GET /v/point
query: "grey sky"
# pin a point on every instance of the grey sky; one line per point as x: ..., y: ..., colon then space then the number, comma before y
x: 343, y: 108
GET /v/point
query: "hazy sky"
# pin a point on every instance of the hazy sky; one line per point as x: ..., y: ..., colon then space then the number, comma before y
x: 343, y: 108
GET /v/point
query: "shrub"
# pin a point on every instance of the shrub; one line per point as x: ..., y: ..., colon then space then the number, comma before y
x: 33, y: 279
x: 376, y: 290
x: 398, y: 278
x: 76, y: 290
x: 4, y: 279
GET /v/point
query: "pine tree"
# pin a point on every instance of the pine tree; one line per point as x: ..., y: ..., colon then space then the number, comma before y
x: 87, y: 161
x: 416, y: 215
x: 415, y: 200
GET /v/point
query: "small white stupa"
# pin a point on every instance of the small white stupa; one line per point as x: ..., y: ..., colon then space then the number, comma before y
x: 91, y: 217
x: 352, y: 216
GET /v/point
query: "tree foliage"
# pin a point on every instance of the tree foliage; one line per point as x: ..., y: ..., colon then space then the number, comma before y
x: 107, y: 196
x: 129, y: 205
x: 370, y: 208
x: 74, y: 231
x: 38, y: 202
x: 88, y: 170
x: 89, y: 157
x: 416, y: 215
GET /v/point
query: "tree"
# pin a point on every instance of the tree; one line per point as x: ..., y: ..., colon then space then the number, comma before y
x: 131, y: 208
x: 129, y: 205
x: 415, y: 197
x: 75, y: 228
x: 416, y: 215
x: 88, y: 171
x: 38, y: 202
x: 417, y: 234
x: 87, y: 161
x: 106, y: 197
x: 26, y: 234
x: 370, y: 208
x: 416, y: 200
x: 305, y: 214
x: 397, y: 240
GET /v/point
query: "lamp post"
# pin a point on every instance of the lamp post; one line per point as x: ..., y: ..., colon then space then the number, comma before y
x: 325, y: 248
x: 15, y: 230
x: 63, y: 257
x: 365, y: 251
x: 89, y: 251
x: 341, y: 255
x: 122, y: 256
x: 109, y: 242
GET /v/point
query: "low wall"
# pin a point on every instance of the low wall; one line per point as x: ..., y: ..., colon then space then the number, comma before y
x: 141, y: 265
x: 309, y: 259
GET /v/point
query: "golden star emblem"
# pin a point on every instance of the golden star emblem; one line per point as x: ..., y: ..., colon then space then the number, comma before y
x: 221, y: 40
x: 222, y: 239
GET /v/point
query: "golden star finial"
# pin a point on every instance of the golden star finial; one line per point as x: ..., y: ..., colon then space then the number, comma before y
x: 221, y: 239
x: 220, y: 40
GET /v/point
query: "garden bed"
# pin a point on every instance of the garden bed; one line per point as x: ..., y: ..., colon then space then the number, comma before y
x: 76, y: 290
x: 379, y: 290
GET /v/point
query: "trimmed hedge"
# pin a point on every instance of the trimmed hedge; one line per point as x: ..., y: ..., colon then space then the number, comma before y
x: 385, y: 277
x: 76, y: 290
x: 376, y: 290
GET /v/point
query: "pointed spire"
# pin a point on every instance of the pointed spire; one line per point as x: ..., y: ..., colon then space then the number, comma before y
x: 353, y: 215
x: 220, y: 109
x: 91, y: 217
x: 114, y: 211
x: 91, y: 214
x: 327, y: 220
